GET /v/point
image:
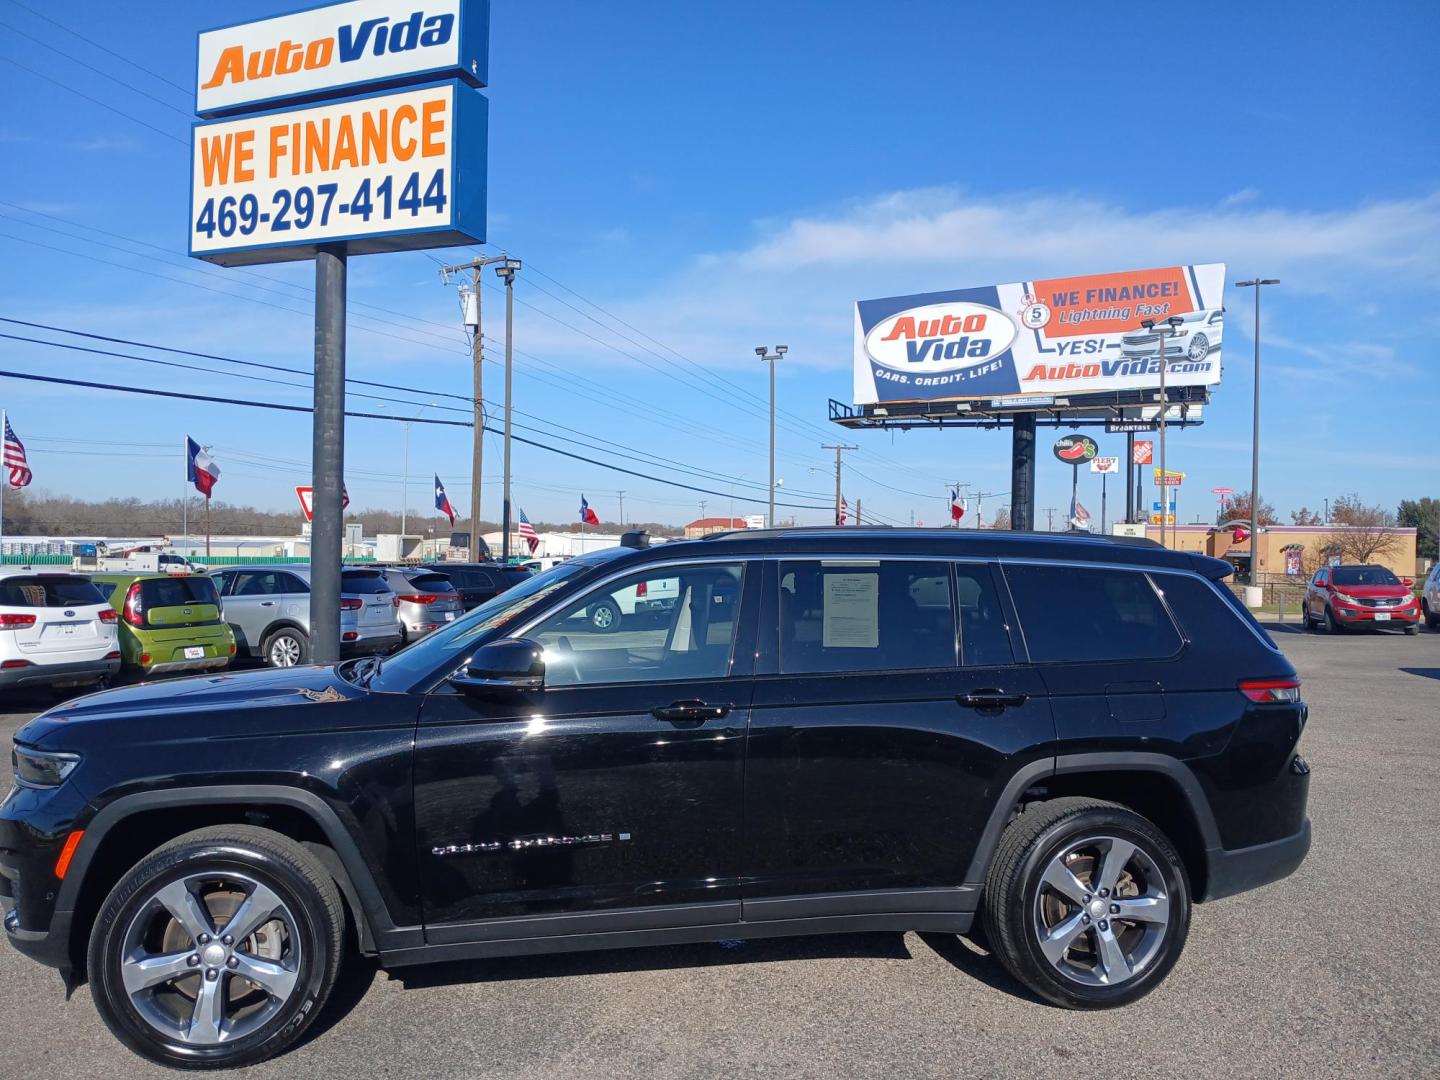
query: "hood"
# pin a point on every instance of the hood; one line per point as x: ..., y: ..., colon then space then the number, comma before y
x: 186, y: 701
x: 1373, y: 590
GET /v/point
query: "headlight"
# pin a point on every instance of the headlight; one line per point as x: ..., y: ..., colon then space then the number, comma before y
x: 34, y: 769
x: 1347, y: 599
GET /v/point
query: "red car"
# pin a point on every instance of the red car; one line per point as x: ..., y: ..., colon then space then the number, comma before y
x: 1341, y: 597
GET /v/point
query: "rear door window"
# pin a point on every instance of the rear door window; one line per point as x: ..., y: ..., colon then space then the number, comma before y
x: 1071, y: 613
x: 984, y: 637
x: 865, y: 616
x: 45, y: 591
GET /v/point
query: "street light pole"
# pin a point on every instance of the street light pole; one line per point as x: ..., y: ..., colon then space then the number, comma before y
x: 1163, y: 328
x: 1256, y: 284
x: 506, y: 272
x: 767, y: 357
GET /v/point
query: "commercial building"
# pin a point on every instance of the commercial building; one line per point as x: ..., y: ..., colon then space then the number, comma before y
x: 1293, y: 552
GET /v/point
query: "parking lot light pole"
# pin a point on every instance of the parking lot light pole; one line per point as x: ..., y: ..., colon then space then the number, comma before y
x: 1163, y: 328
x: 506, y: 272
x: 1256, y: 284
x: 767, y: 357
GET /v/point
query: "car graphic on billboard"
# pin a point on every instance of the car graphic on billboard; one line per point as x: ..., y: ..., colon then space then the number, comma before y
x: 1072, y: 336
x: 1196, y: 337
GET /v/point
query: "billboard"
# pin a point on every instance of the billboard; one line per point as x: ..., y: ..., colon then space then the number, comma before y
x: 1070, y: 336
x: 380, y: 172
x: 338, y: 47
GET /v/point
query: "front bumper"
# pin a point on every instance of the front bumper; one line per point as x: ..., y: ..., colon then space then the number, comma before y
x: 1241, y: 869
x: 1367, y: 616
x: 76, y: 673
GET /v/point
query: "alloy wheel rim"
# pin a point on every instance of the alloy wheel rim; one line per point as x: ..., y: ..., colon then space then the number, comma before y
x: 1199, y: 347
x: 285, y: 651
x: 1102, y: 911
x: 603, y: 616
x: 210, y: 958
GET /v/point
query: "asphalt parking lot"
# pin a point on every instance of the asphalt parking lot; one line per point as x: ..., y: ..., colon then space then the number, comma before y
x: 1332, y: 972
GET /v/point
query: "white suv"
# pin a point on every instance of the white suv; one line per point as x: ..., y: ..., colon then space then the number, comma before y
x: 56, y: 629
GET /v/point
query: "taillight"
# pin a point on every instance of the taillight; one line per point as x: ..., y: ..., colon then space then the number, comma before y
x: 16, y: 622
x: 350, y: 635
x: 1271, y: 691
x: 108, y: 615
x: 350, y: 603
x: 418, y: 598
x: 134, y: 607
x: 643, y: 589
x: 11, y: 665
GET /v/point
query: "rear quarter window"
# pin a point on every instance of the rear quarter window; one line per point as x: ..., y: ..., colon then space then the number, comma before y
x: 1071, y: 613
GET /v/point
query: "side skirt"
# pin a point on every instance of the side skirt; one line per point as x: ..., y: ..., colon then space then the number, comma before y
x: 926, y: 921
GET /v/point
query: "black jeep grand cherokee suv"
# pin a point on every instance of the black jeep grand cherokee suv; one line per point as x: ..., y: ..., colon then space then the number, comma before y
x: 1065, y: 740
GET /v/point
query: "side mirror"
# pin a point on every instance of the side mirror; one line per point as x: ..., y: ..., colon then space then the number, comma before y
x: 502, y: 668
x: 1408, y: 582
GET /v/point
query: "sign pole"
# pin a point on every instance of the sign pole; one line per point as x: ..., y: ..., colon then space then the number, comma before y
x: 1103, y: 478
x: 327, y: 455
x: 1022, y: 472
x: 1131, y: 510
x: 1074, y: 492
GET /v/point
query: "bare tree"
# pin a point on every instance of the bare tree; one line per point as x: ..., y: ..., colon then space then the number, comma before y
x: 1001, y: 519
x: 1366, y: 535
x: 1238, y: 509
x: 1305, y: 516
x: 1351, y: 510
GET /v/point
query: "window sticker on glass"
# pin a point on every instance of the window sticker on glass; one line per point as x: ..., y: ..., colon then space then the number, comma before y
x: 852, y: 611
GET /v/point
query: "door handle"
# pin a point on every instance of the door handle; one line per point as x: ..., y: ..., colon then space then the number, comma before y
x: 990, y: 699
x: 267, y: 603
x: 681, y: 711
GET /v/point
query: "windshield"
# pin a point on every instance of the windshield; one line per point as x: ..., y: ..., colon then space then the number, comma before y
x: 1363, y: 575
x: 451, y: 643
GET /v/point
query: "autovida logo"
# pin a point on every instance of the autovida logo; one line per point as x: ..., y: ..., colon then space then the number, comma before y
x: 350, y: 42
x: 940, y: 337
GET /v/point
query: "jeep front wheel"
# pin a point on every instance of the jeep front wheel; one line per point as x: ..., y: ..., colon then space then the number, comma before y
x: 217, y: 949
x: 1086, y: 903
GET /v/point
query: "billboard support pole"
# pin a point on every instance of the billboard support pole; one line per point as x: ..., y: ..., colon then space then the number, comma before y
x: 1074, y: 493
x: 1022, y: 472
x: 1103, y: 478
x: 1131, y: 509
x: 327, y: 455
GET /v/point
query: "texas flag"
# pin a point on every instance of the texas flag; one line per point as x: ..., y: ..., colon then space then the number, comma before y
x: 1079, y: 516
x: 588, y: 516
x: 200, y: 467
x: 442, y: 501
x: 957, y: 505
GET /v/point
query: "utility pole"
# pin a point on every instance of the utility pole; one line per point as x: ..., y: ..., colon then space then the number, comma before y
x: 470, y: 309
x: 1256, y: 284
x: 506, y: 272
x: 839, y: 450
x: 767, y: 357
x: 858, y: 519
x: 622, y: 510
x: 1049, y: 519
x: 703, y: 503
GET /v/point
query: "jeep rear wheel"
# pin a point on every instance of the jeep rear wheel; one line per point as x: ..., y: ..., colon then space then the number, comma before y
x: 1086, y: 903
x: 217, y: 949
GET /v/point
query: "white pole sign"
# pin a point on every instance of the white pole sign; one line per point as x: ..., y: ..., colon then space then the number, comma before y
x: 338, y: 48
x: 383, y: 172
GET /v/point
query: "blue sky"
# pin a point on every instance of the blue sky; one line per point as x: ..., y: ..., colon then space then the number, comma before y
x: 725, y: 176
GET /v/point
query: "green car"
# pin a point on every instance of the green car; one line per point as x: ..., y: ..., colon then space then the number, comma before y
x: 168, y: 622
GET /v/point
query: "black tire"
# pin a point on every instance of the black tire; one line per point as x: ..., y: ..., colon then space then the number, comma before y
x: 1411, y: 631
x: 1014, y: 901
x: 1331, y: 625
x: 1431, y: 620
x: 1310, y: 627
x: 219, y: 854
x: 604, y: 616
x: 285, y: 647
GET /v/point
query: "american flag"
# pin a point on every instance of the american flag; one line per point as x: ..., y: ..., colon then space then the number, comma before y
x: 15, y: 463
x: 527, y: 532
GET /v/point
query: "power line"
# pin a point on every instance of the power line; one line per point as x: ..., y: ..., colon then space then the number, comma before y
x: 189, y: 91
x: 96, y: 101
x: 153, y: 392
x: 104, y: 75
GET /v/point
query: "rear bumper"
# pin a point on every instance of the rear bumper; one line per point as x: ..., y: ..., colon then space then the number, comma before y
x: 75, y: 673
x: 209, y: 663
x: 1241, y: 869
x: 369, y: 644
